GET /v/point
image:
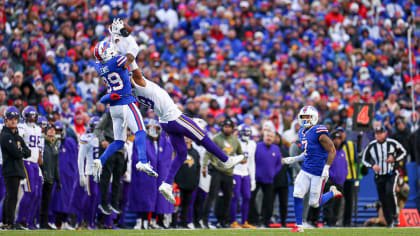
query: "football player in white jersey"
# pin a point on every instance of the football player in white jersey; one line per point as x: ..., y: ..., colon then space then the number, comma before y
x: 244, y: 178
x: 89, y: 151
x: 32, y: 187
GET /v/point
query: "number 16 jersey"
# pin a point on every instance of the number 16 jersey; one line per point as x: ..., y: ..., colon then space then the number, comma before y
x: 315, y: 154
x: 117, y: 79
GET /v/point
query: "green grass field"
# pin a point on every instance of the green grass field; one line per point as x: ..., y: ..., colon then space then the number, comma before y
x: 222, y: 232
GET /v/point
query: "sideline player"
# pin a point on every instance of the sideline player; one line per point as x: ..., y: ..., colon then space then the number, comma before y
x: 318, y: 155
x: 124, y: 112
x: 32, y: 186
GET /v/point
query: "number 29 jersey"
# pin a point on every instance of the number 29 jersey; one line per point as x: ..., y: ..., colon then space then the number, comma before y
x: 117, y: 79
x: 32, y: 135
x: 315, y: 154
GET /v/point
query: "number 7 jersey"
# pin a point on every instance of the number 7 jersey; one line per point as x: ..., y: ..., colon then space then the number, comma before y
x: 32, y: 135
x: 117, y: 79
x: 315, y: 154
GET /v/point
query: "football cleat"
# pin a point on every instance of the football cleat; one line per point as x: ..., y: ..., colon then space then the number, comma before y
x: 233, y: 160
x: 146, y: 167
x: 105, y: 209
x: 166, y: 190
x: 298, y: 228
x: 336, y: 193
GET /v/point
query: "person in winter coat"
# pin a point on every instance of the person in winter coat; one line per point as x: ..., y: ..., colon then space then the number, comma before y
x: 13, y: 149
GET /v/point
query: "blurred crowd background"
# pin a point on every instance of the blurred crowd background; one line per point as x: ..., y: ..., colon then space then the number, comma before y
x: 250, y: 61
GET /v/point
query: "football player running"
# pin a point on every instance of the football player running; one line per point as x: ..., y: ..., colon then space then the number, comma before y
x: 171, y: 119
x: 318, y: 155
x: 124, y: 112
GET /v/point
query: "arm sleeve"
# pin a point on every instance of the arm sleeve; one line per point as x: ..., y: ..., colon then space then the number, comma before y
x: 239, y: 149
x: 128, y: 45
x: 366, y: 158
x: 57, y: 171
x: 121, y: 60
x: 25, y: 150
x: 100, y: 128
x: 321, y: 129
x: 251, y: 163
x: 10, y: 147
x: 84, y: 147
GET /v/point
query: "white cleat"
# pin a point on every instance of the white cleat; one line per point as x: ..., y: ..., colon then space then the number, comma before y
x: 67, y: 226
x: 233, y: 160
x: 336, y: 193
x: 97, y: 169
x: 139, y: 223
x: 166, y: 190
x: 147, y: 168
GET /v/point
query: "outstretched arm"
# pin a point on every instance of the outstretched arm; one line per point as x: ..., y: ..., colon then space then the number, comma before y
x: 328, y: 145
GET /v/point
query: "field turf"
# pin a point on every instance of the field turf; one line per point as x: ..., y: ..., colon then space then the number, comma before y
x: 223, y: 232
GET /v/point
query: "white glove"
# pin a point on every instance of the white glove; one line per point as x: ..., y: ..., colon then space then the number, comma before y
x: 253, y: 185
x: 82, y: 180
x: 117, y: 25
x: 289, y: 160
x: 97, y: 169
x: 325, y: 172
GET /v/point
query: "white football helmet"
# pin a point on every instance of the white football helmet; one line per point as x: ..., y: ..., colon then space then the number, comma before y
x: 104, y: 51
x: 312, y: 118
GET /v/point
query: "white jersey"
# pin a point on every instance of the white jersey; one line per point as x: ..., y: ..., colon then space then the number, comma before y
x: 157, y: 99
x: 32, y: 135
x: 129, y: 147
x: 249, y: 167
x: 88, y: 150
x: 126, y: 45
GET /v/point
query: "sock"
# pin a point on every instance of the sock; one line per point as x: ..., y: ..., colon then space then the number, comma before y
x: 213, y: 149
x: 298, y: 210
x: 140, y: 142
x: 326, y: 197
x: 111, y: 149
x: 181, y: 154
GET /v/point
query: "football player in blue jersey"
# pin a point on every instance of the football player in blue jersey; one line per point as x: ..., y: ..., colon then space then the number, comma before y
x: 124, y: 112
x: 318, y: 155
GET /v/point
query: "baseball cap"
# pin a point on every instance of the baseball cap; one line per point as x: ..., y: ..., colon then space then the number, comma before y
x: 228, y: 122
x: 335, y: 135
x: 380, y: 129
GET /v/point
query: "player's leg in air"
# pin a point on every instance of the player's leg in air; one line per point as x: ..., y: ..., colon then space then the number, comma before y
x: 123, y: 110
x: 177, y: 129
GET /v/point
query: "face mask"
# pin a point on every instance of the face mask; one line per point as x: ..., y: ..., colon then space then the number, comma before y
x: 245, y: 138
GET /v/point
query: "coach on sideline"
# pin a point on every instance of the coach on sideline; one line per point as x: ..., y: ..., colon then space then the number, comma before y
x: 14, y: 150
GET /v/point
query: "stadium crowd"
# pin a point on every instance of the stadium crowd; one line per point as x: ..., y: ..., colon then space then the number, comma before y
x: 229, y: 62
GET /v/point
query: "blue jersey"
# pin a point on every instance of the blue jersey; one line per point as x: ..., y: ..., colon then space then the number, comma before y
x: 116, y: 78
x: 315, y: 154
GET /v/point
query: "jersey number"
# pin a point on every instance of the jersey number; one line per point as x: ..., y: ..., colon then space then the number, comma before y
x: 34, y: 141
x: 146, y: 102
x: 363, y: 116
x: 114, y: 82
x: 305, y: 146
x: 95, y: 152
